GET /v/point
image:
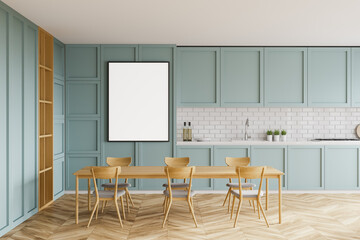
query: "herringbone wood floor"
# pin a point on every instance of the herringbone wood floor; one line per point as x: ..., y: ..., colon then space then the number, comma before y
x: 305, y: 216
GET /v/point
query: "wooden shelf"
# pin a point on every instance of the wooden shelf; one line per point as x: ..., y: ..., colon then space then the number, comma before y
x: 46, y: 111
x: 45, y: 101
x: 45, y: 136
x: 45, y: 67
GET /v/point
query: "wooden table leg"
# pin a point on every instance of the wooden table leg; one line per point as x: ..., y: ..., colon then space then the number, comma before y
x: 77, y: 201
x: 280, y: 198
x: 89, y: 195
x: 267, y: 193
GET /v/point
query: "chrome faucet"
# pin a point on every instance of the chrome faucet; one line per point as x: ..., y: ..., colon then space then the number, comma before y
x: 246, y: 126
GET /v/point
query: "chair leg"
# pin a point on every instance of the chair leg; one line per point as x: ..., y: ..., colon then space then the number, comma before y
x: 92, y: 214
x: 263, y: 213
x: 232, y: 207
x: 253, y: 203
x: 118, y: 212
x: 238, y: 211
x: 229, y: 199
x: 122, y: 207
x: 167, y: 212
x: 97, y: 210
x: 131, y: 201
x: 127, y: 202
x: 227, y: 195
x: 192, y: 212
x: 103, y: 206
x: 165, y: 204
x: 250, y: 203
x: 258, y: 208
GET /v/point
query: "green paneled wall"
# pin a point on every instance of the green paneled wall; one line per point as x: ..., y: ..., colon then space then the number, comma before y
x: 18, y: 119
x: 59, y: 118
x: 86, y: 111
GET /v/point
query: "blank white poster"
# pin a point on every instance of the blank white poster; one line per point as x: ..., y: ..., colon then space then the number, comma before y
x: 138, y: 98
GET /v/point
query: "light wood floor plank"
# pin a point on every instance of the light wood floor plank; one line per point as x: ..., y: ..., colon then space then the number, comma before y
x: 305, y: 216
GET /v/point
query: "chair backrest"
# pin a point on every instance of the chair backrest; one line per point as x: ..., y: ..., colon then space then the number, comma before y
x: 105, y: 173
x: 237, y: 162
x: 177, y: 162
x: 179, y: 173
x: 250, y: 173
x: 118, y: 162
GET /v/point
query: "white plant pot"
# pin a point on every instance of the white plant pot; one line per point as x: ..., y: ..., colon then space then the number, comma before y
x: 276, y: 138
x: 283, y: 138
x: 269, y: 138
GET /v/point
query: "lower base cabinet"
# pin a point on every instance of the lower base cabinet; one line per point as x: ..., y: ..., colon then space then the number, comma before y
x: 273, y: 156
x: 305, y: 168
x: 199, y: 156
x: 342, y: 168
x: 220, y: 153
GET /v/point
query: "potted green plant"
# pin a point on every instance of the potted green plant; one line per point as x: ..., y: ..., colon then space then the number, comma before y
x: 276, y: 135
x: 283, y: 135
x: 269, y: 135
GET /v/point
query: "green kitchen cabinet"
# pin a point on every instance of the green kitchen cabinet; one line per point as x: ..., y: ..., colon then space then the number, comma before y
x: 355, y: 77
x: 220, y: 153
x: 241, y: 77
x: 199, y: 156
x: 153, y: 153
x: 273, y: 156
x: 342, y: 167
x: 285, y: 77
x: 305, y: 168
x: 198, y: 76
x: 329, y: 77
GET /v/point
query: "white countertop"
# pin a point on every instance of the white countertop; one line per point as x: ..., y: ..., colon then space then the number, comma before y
x: 234, y: 143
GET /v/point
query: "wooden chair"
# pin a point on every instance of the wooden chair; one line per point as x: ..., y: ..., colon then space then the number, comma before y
x: 119, y: 162
x: 237, y: 162
x: 176, y: 194
x: 241, y: 194
x: 176, y: 162
x: 106, y: 195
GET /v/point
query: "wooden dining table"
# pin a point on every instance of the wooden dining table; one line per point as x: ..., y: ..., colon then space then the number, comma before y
x: 137, y: 172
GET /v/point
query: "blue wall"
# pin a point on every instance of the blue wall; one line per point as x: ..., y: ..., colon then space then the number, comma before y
x: 19, y: 119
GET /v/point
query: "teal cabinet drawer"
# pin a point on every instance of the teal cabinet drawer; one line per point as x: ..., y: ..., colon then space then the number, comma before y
x: 305, y: 168
x: 355, y: 77
x: 329, y: 77
x: 341, y: 168
x: 273, y: 156
x: 285, y: 76
x: 241, y: 77
x: 198, y: 73
x: 220, y: 153
x: 199, y: 156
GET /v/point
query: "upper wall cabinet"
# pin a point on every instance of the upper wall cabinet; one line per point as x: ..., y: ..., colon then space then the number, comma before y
x: 198, y: 76
x: 355, y: 76
x: 241, y: 76
x: 285, y: 76
x: 329, y: 77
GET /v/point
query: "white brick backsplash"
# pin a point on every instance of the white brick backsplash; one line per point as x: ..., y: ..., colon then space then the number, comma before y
x: 224, y: 124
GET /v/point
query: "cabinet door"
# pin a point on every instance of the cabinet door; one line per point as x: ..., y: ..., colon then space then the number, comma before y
x: 305, y: 168
x: 329, y: 77
x: 341, y: 167
x: 153, y: 153
x: 241, y: 76
x: 220, y: 153
x: 355, y: 77
x: 285, y: 76
x: 198, y: 76
x: 273, y: 156
x: 199, y: 156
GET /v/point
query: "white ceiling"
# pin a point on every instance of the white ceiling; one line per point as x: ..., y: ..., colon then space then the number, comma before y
x: 197, y: 22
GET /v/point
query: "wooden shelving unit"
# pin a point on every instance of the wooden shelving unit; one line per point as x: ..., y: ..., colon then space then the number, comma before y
x: 46, y: 97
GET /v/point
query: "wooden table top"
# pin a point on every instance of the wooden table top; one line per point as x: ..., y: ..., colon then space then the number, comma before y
x: 158, y: 172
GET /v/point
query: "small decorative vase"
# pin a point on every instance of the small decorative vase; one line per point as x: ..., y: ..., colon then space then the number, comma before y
x: 283, y: 138
x: 269, y: 138
x: 276, y: 138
